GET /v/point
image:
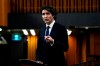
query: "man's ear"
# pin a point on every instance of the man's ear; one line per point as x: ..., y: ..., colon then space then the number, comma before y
x: 53, y: 16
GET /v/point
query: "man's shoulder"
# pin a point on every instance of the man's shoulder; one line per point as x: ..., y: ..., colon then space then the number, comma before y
x: 58, y: 25
x: 42, y: 27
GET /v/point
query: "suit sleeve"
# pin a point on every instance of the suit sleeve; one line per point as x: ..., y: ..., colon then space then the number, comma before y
x: 61, y: 40
x: 38, y: 50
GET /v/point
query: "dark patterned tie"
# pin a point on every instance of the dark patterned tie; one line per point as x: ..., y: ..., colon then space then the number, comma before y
x: 47, y: 30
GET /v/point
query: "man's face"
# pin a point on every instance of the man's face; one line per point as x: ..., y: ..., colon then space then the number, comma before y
x: 47, y: 17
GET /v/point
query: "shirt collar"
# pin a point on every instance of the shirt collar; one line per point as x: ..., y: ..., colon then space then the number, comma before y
x: 52, y: 23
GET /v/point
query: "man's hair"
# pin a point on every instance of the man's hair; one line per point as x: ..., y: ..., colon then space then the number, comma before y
x: 50, y: 9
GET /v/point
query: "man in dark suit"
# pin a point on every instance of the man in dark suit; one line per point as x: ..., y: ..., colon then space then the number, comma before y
x: 52, y: 40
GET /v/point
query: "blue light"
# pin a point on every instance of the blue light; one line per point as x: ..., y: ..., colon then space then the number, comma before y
x: 16, y: 37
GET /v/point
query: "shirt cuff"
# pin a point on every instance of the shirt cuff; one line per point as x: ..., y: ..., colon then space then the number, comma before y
x: 52, y: 43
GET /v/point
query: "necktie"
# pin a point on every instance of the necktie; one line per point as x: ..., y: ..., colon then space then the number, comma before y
x: 47, y: 30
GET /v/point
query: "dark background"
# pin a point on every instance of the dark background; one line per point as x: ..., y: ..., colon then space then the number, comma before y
x: 31, y: 20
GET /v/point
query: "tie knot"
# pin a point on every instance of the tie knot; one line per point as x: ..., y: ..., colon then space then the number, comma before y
x: 48, y: 27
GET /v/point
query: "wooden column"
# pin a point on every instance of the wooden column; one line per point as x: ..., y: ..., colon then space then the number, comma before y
x: 32, y: 45
x: 4, y: 9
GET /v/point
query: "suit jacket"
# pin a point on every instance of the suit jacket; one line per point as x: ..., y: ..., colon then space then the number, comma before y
x: 53, y: 55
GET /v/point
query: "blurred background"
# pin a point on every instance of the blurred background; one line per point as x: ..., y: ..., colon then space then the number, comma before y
x: 21, y: 19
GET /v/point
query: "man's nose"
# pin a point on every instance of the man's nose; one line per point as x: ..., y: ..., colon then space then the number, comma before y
x: 45, y: 15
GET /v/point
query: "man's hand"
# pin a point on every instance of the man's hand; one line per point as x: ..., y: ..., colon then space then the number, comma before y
x: 49, y: 39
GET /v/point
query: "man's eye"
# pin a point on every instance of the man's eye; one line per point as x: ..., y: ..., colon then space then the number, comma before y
x: 47, y: 13
x: 43, y: 13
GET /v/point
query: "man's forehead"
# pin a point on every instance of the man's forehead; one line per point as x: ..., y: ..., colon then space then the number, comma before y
x: 45, y: 11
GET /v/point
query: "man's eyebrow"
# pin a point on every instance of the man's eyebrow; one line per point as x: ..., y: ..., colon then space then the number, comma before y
x: 46, y: 13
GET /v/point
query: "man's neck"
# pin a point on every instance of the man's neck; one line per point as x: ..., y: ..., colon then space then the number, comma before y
x: 50, y: 22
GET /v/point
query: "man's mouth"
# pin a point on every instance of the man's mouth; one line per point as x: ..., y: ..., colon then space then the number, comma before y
x: 46, y: 19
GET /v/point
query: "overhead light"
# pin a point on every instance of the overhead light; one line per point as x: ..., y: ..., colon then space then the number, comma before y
x: 0, y: 29
x: 69, y: 31
x: 32, y: 31
x: 25, y: 31
x: 86, y: 27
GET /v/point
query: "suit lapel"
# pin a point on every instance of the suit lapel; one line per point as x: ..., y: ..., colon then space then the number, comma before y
x: 43, y: 31
x: 53, y: 31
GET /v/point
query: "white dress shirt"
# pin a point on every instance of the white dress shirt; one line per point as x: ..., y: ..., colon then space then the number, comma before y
x: 51, y: 26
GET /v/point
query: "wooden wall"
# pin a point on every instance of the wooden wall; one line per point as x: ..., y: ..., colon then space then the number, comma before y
x: 95, y: 43
x: 33, y: 6
x: 61, y: 6
x: 4, y: 9
x: 71, y: 55
x: 32, y: 45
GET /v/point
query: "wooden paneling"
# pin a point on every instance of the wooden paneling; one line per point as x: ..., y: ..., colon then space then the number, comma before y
x: 91, y: 44
x: 57, y: 5
x: 72, y: 6
x: 4, y: 9
x: 95, y: 43
x: 84, y: 49
x: 70, y: 55
x: 79, y: 6
x: 61, y: 6
x: 32, y: 45
x: 65, y: 8
x: 86, y: 5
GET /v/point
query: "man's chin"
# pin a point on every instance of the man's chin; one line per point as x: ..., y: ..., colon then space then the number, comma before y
x: 46, y: 21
